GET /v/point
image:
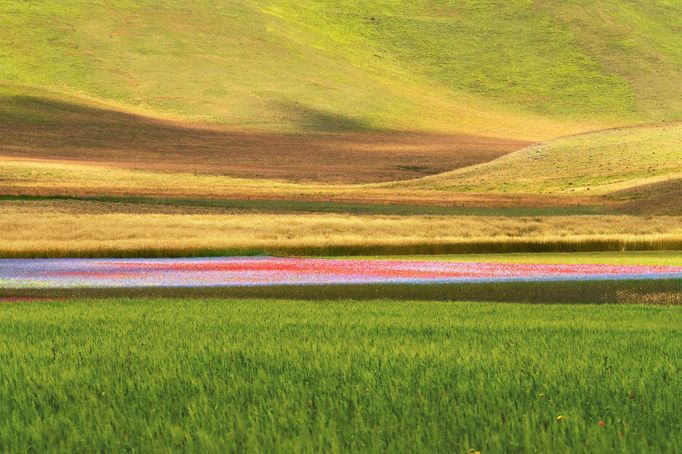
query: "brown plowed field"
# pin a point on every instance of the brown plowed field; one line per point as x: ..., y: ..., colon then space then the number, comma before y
x: 75, y: 133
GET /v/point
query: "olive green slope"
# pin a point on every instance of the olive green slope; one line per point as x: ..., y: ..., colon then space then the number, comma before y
x: 523, y: 69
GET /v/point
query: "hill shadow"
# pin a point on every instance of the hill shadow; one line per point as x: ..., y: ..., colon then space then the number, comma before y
x: 309, y: 118
x: 336, y: 149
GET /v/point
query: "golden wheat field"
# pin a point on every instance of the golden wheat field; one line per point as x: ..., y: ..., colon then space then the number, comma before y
x: 90, y: 228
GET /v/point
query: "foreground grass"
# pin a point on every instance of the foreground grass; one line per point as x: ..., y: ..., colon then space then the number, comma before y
x: 221, y: 375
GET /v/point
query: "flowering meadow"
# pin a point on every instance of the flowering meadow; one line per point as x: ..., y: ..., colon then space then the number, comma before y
x: 263, y: 271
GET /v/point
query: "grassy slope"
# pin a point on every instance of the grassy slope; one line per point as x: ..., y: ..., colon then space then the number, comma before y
x: 585, y: 166
x: 46, y: 177
x: 514, y: 69
x: 599, y: 162
x: 221, y: 375
x: 188, y: 205
x: 639, y: 169
x: 610, y: 161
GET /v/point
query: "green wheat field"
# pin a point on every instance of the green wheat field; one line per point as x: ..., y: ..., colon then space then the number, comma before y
x: 159, y: 375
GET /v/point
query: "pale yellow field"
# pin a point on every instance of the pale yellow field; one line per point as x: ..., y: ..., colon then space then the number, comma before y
x: 600, y: 162
x: 80, y: 228
x: 47, y: 177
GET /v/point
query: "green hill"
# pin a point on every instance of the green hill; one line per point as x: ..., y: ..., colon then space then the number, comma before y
x: 518, y: 69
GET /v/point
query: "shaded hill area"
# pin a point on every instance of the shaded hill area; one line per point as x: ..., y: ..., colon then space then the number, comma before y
x: 40, y: 125
x: 664, y: 198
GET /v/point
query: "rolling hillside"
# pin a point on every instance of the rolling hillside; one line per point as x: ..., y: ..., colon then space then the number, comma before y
x: 521, y: 69
x: 594, y: 163
x: 426, y: 101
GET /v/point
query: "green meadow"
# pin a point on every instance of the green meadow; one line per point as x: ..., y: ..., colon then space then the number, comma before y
x: 516, y: 69
x: 214, y: 375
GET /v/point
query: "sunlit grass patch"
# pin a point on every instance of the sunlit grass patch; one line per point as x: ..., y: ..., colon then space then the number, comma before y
x: 596, y: 163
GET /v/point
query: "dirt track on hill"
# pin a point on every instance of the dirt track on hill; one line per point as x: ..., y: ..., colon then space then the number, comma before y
x: 78, y: 134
